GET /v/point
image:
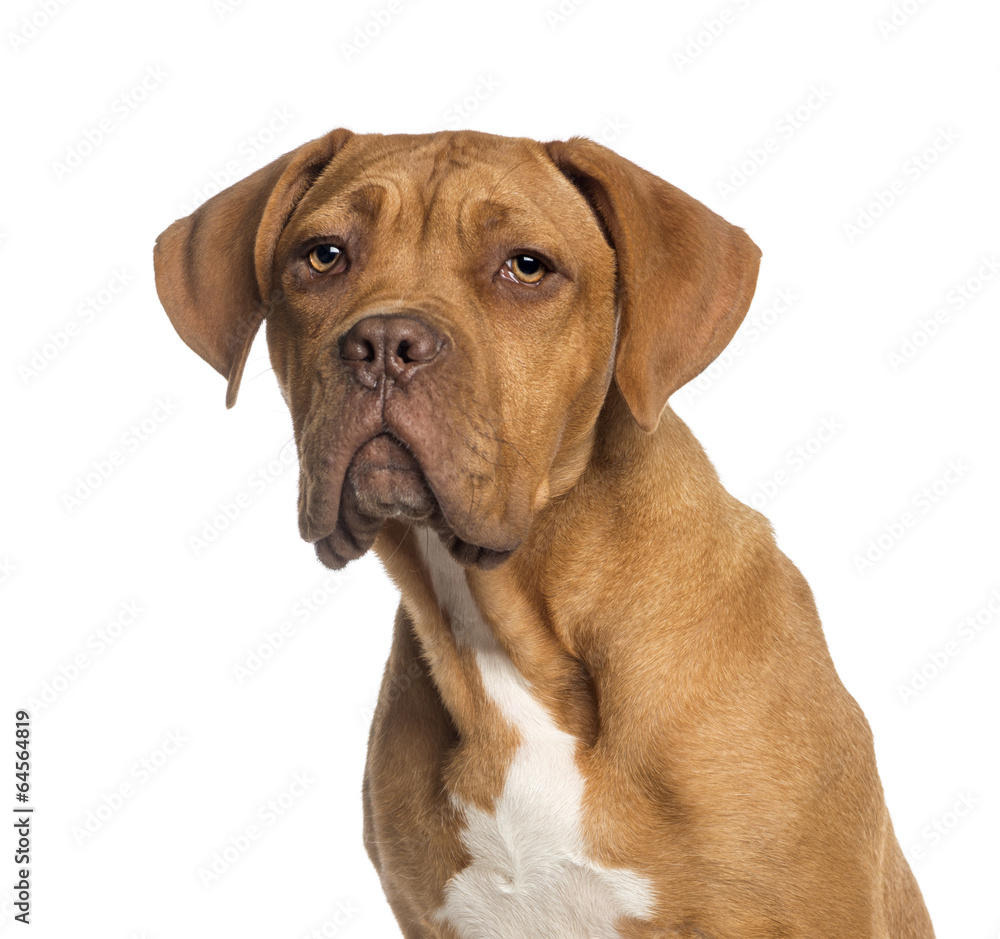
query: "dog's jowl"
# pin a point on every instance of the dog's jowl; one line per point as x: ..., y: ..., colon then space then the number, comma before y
x: 608, y: 709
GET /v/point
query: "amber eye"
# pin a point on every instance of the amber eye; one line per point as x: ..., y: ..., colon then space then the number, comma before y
x: 526, y: 268
x: 324, y: 258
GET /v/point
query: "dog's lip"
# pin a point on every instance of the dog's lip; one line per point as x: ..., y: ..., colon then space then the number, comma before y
x: 328, y: 555
x: 386, y: 479
x: 395, y: 457
x: 388, y: 452
x: 392, y: 454
x: 464, y: 552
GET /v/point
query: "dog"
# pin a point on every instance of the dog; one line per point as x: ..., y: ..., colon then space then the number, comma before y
x: 608, y: 709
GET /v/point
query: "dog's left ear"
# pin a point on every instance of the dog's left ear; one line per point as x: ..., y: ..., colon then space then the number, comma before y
x: 685, y: 275
x: 213, y: 268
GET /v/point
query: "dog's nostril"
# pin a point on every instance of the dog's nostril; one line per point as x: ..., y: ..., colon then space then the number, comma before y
x: 357, y: 349
x: 419, y: 347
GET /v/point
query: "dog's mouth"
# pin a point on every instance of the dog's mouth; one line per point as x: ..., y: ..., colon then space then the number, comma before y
x: 384, y: 480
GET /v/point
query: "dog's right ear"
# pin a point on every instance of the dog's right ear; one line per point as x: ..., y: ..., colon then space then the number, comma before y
x: 213, y: 268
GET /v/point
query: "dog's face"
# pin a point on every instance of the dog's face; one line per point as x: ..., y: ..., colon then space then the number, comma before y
x: 445, y: 314
x: 428, y: 342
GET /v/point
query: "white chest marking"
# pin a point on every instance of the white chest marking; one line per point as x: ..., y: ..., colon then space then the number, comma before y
x: 530, y: 876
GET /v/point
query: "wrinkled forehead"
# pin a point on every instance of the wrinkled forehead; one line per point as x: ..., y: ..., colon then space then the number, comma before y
x: 466, y: 184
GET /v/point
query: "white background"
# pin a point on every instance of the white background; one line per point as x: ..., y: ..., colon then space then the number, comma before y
x: 690, y: 91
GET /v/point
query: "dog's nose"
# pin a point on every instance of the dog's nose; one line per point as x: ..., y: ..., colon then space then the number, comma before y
x: 391, y: 347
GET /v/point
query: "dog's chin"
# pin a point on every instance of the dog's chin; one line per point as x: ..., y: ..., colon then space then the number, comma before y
x: 384, y: 481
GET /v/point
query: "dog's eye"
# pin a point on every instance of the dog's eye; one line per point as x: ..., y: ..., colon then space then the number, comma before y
x: 326, y: 258
x: 526, y: 268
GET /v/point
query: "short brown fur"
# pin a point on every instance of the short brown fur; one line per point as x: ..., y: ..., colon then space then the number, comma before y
x: 650, y: 612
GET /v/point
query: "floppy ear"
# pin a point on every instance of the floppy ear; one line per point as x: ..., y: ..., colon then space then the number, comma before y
x: 685, y: 275
x: 213, y: 268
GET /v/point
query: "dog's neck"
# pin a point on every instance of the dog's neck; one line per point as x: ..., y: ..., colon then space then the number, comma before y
x: 546, y: 609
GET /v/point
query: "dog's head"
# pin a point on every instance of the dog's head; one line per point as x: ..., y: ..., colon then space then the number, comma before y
x: 445, y: 315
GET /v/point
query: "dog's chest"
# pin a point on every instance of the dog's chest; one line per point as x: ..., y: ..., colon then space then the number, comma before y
x: 530, y: 875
